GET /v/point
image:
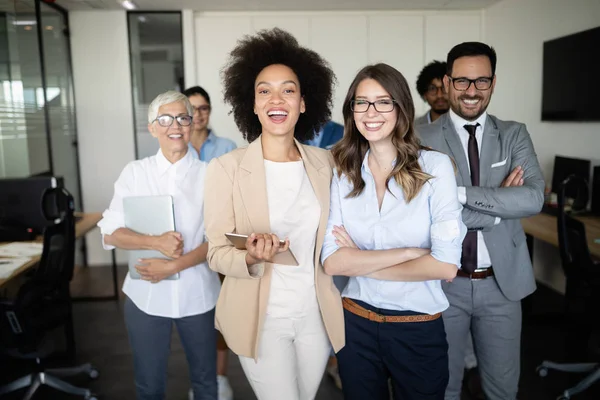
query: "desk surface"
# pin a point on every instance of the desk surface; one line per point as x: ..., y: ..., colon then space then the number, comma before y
x: 87, y: 222
x: 543, y: 227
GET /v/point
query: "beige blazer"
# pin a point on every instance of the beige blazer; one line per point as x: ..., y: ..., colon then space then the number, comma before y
x: 236, y: 201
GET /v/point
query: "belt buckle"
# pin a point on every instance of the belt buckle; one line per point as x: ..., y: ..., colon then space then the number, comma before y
x: 481, y: 271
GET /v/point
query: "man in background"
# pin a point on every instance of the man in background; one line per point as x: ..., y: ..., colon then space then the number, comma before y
x: 430, y: 88
x: 329, y: 135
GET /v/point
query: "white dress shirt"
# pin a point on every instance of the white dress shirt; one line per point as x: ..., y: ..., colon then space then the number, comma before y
x: 197, y: 289
x: 483, y: 255
x: 294, y: 212
x: 432, y: 220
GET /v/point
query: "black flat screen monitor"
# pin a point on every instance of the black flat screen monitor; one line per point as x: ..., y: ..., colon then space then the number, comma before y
x: 570, y: 83
x: 21, y: 202
x: 566, y: 166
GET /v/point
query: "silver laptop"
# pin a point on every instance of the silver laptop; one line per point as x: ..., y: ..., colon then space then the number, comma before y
x: 148, y: 215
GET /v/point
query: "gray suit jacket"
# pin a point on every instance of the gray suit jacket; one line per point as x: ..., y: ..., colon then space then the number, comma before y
x: 506, y: 145
x: 422, y: 120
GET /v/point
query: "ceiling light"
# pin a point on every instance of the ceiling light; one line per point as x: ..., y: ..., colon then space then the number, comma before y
x: 49, y: 27
x: 24, y: 22
x: 142, y: 19
x: 128, y: 4
x: 28, y: 28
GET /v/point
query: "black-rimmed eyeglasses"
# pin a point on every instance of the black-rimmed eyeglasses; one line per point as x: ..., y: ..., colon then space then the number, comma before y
x: 166, y: 120
x: 432, y: 90
x: 481, y: 83
x: 381, y: 106
x: 202, y: 109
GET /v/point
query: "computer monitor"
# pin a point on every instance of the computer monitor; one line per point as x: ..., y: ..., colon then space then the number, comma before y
x: 582, y: 168
x: 566, y: 166
x: 22, y: 202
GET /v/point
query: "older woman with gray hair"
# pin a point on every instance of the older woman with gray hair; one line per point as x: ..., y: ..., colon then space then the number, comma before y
x: 154, y: 303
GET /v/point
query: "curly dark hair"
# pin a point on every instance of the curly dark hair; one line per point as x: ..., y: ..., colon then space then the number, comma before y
x: 252, y: 54
x: 433, y: 70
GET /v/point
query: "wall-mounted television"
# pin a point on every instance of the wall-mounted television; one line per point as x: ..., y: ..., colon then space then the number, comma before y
x: 571, y: 82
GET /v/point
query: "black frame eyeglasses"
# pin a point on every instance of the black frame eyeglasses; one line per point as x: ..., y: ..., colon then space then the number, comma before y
x: 381, y: 106
x: 432, y: 90
x: 463, y: 84
x: 166, y: 120
x: 202, y: 109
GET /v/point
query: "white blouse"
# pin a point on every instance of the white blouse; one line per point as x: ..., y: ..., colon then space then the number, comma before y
x: 197, y: 289
x: 294, y: 212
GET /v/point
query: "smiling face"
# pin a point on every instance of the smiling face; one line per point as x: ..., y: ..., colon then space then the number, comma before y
x: 172, y: 138
x: 375, y: 126
x: 201, y: 112
x: 470, y: 104
x: 277, y: 100
x: 436, y: 96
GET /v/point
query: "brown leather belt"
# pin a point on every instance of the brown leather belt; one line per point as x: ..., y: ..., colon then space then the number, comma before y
x: 482, y: 274
x: 373, y: 316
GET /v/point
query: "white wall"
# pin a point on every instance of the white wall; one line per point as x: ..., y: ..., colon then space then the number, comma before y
x: 102, y: 83
x: 517, y: 30
x: 348, y: 40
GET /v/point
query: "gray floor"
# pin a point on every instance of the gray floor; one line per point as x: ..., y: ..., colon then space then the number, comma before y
x: 115, y: 356
x: 102, y: 340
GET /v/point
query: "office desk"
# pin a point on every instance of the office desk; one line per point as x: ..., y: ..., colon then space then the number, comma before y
x: 87, y: 222
x: 544, y: 227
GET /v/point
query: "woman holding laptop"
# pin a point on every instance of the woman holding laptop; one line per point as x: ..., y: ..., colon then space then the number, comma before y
x: 156, y: 301
x: 278, y: 318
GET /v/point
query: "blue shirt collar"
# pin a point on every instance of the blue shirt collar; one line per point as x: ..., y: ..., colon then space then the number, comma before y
x: 210, y: 138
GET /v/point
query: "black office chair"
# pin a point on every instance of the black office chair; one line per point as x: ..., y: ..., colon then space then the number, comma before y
x: 582, y: 291
x: 43, y: 304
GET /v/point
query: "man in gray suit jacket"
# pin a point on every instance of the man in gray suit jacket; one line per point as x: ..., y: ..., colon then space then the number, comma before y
x: 500, y: 182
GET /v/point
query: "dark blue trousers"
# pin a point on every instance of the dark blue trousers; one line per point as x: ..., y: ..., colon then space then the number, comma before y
x: 413, y: 354
x: 150, y: 340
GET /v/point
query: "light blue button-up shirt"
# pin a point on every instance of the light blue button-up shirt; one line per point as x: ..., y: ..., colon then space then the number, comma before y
x: 431, y: 220
x: 212, y: 147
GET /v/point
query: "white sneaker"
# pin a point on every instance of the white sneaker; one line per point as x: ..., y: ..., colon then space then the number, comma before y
x: 224, y: 388
x: 225, y: 391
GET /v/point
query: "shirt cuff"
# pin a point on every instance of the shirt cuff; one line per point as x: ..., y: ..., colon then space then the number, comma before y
x: 462, y: 195
x: 497, y: 220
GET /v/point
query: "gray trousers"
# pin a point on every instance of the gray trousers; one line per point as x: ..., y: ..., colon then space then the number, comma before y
x: 150, y: 340
x: 495, y: 324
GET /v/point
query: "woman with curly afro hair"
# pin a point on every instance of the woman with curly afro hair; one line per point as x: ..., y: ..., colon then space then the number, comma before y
x: 280, y: 317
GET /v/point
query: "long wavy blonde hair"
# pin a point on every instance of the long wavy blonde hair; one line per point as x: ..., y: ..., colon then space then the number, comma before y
x: 350, y: 151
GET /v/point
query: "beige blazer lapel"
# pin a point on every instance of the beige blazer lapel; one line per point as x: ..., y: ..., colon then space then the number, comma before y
x: 319, y: 174
x: 253, y: 188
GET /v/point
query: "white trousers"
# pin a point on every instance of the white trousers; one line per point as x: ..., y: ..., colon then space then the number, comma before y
x: 292, y: 356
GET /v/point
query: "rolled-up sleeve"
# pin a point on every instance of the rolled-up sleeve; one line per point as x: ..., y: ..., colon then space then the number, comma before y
x: 447, y: 227
x: 335, y: 218
x: 113, y: 217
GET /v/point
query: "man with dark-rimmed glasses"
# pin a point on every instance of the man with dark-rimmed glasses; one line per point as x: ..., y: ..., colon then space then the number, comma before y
x: 499, y: 182
x: 430, y: 88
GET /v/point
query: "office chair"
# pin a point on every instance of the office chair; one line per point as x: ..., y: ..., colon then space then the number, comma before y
x: 582, y: 293
x: 43, y: 304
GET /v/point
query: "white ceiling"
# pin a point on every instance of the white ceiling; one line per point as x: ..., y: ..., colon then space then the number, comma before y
x: 281, y: 5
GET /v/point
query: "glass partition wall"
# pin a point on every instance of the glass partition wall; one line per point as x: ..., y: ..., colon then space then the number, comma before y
x: 156, y: 54
x: 37, y: 111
